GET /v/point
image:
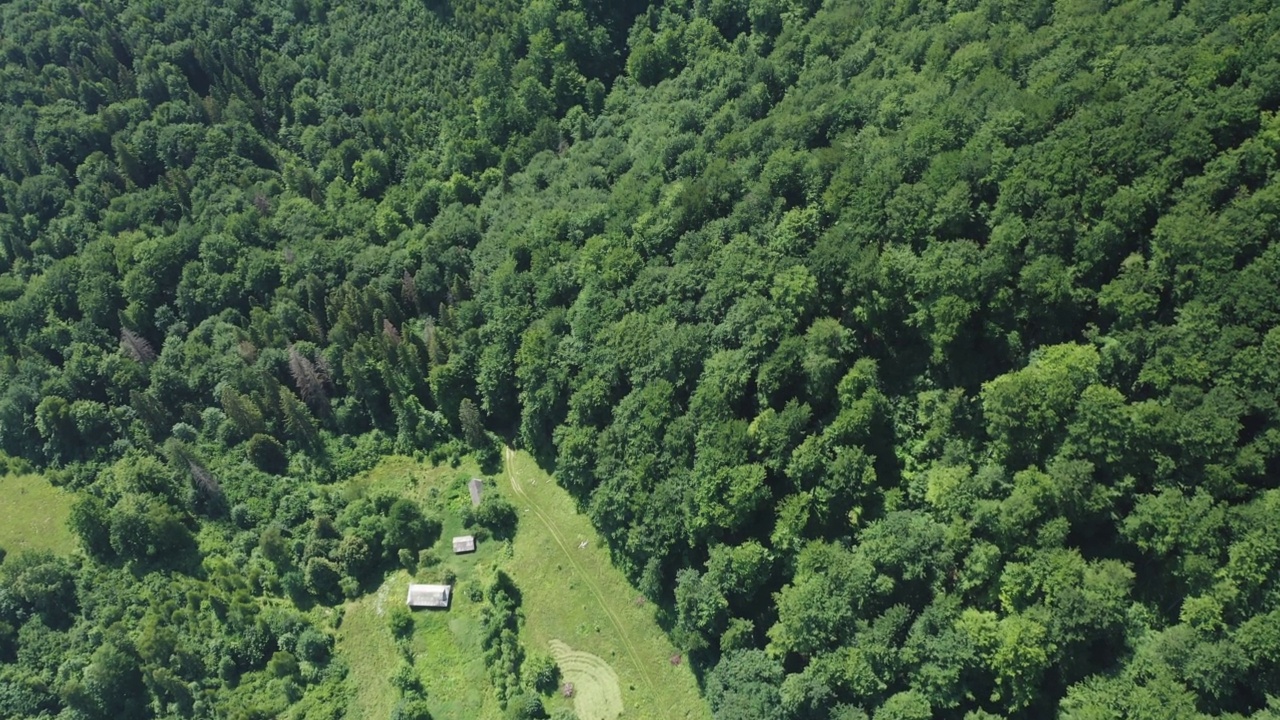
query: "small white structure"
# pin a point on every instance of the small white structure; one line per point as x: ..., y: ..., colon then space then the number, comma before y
x: 429, y: 596
x: 464, y: 544
x: 476, y: 487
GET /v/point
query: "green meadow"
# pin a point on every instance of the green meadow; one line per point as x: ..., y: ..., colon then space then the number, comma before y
x: 33, y: 515
x: 578, y: 606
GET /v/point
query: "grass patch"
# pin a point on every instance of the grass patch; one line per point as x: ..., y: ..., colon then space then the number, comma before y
x: 365, y: 642
x: 33, y: 515
x: 448, y: 658
x: 445, y: 648
x: 574, y: 596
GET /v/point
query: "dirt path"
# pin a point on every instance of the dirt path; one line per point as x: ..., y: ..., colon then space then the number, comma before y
x: 585, y: 576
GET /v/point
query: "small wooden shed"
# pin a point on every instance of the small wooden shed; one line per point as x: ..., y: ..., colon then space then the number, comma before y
x: 464, y: 544
x: 475, y: 486
x: 429, y: 596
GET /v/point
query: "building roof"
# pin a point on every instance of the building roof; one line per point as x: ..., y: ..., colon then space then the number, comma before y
x: 429, y: 596
x: 464, y: 543
x: 475, y: 486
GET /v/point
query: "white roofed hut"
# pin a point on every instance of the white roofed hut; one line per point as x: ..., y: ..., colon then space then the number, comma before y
x: 464, y: 544
x: 429, y: 596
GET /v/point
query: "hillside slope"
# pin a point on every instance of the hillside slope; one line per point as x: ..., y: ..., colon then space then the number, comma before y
x: 920, y: 357
x: 916, y: 359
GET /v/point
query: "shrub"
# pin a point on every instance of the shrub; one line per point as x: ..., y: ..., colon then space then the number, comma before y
x: 405, y: 679
x: 283, y: 664
x: 267, y: 454
x: 427, y: 558
x: 541, y: 673
x: 407, y: 560
x: 497, y: 514
x: 314, y: 646
x: 401, y: 622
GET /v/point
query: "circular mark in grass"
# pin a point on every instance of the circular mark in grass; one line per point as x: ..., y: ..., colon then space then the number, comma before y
x: 597, y: 695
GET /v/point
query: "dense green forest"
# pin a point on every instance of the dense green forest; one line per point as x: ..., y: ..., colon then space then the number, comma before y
x: 919, y: 359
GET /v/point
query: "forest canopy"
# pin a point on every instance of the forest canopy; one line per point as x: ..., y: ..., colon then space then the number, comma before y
x: 917, y: 359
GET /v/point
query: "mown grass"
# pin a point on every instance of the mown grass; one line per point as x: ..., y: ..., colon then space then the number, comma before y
x: 597, y: 690
x: 33, y: 515
x: 572, y: 597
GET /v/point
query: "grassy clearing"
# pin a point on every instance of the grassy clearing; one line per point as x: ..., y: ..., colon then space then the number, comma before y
x: 448, y: 658
x: 33, y: 515
x: 446, y: 645
x: 574, y: 595
x: 446, y: 652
